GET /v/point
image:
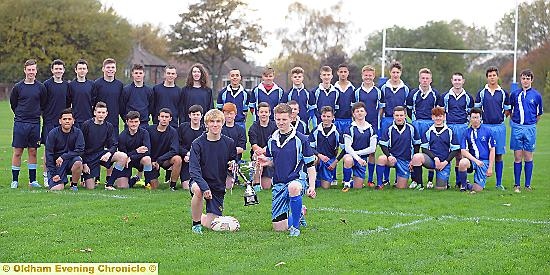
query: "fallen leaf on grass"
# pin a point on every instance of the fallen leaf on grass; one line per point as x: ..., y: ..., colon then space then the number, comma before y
x: 280, y: 263
x: 125, y: 218
x: 507, y: 204
x: 86, y: 250
x: 3, y: 233
x: 343, y: 221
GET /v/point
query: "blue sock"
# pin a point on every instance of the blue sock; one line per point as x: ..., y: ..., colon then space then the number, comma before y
x: 431, y: 175
x: 347, y: 174
x: 371, y: 166
x: 528, y: 173
x: 461, y: 177
x: 380, y: 174
x: 32, y: 171
x: 499, y: 167
x: 15, y: 173
x: 296, y: 209
x: 517, y: 173
x: 387, y: 173
x: 457, y: 181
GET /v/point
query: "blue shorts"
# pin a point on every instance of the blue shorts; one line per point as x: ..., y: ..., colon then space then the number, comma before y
x: 26, y: 135
x: 439, y: 175
x: 480, y: 172
x: 402, y: 168
x: 281, y: 199
x: 46, y: 128
x: 323, y: 173
x: 458, y: 131
x: 358, y: 169
x: 63, y: 170
x: 342, y: 124
x: 422, y: 125
x: 499, y: 134
x: 94, y: 162
x: 184, y: 173
x: 523, y: 137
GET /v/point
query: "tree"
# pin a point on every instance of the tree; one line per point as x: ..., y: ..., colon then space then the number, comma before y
x: 212, y: 31
x: 533, y: 27
x: 284, y: 64
x: 37, y: 29
x: 151, y: 38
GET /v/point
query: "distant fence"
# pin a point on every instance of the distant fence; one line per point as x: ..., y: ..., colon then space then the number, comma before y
x: 5, y: 90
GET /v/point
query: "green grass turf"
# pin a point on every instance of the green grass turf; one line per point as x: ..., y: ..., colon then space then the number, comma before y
x: 363, y: 231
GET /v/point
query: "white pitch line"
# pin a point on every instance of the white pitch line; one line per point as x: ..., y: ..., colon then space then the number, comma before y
x: 396, y: 226
x: 66, y: 192
x: 443, y: 217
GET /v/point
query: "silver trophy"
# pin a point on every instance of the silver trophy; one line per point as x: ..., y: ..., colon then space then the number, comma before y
x: 250, y: 197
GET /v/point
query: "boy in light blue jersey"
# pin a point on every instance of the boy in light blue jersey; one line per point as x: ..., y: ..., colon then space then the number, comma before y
x: 526, y: 106
x: 495, y: 104
x: 478, y: 151
x: 300, y: 94
x: 288, y: 152
x: 457, y: 103
x: 267, y: 91
x: 236, y: 94
x: 325, y: 95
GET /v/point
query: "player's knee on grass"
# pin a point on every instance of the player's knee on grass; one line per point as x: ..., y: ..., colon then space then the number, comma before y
x: 441, y: 184
x: 122, y: 183
x: 325, y: 184
x: 58, y: 187
x: 402, y: 183
x: 476, y: 187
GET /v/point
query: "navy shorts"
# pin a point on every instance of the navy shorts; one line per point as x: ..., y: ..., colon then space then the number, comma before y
x: 215, y: 205
x: 63, y: 170
x: 184, y: 173
x: 46, y: 128
x: 268, y: 171
x: 26, y: 135
x: 155, y: 174
x: 94, y: 162
x: 134, y: 163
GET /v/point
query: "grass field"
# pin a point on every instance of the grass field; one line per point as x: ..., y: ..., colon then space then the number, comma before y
x: 363, y: 231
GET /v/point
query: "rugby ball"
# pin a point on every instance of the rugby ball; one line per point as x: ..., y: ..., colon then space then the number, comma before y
x: 225, y: 223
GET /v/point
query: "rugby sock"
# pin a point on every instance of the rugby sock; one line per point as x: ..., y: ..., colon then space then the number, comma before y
x: 117, y: 173
x: 347, y: 174
x: 461, y: 177
x: 167, y: 175
x: 431, y: 175
x: 172, y: 184
x: 528, y: 173
x: 457, y: 181
x: 107, y: 178
x: 380, y: 174
x: 147, y: 169
x: 469, y: 186
x: 73, y: 183
x: 517, y: 173
x: 386, y: 173
x: 32, y: 171
x: 15, y: 173
x: 296, y: 209
x: 196, y: 223
x: 371, y: 166
x: 499, y: 166
x: 418, y: 175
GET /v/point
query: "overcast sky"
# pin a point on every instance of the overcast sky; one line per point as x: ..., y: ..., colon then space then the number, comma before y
x: 366, y: 16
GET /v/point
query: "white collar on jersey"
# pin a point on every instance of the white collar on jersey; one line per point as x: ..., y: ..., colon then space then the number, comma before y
x: 434, y: 129
x: 399, y: 86
x: 261, y: 87
x: 320, y: 129
x: 331, y: 88
x: 361, y: 129
x: 230, y: 89
x: 343, y: 89
x: 451, y: 92
x: 277, y: 134
x: 365, y: 89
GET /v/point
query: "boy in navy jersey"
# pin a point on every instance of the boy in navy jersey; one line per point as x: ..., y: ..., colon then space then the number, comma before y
x: 325, y: 95
x: 164, y: 149
x: 267, y: 91
x: 359, y: 142
x: 57, y: 91
x: 478, y: 152
x: 324, y: 141
x: 495, y: 104
x: 134, y: 141
x: 107, y: 89
x: 300, y: 94
x: 457, y: 103
x: 420, y: 102
x: 258, y: 134
x: 439, y: 147
x: 373, y: 99
x: 235, y: 132
x: 137, y: 96
x: 288, y: 152
x: 80, y: 94
x: 27, y: 100
x: 236, y: 94
x: 398, y: 143
x: 346, y: 94
x: 196, y: 90
x: 296, y: 122
x: 64, y: 146
x: 526, y: 104
x: 187, y: 132
x: 101, y: 148
x: 395, y: 93
x: 168, y: 95
x: 212, y: 155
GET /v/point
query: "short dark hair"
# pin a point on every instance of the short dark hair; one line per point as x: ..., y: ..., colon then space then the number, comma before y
x: 169, y: 67
x: 476, y: 110
x: 263, y: 104
x: 165, y: 110
x: 100, y: 104
x: 109, y: 61
x: 137, y: 67
x: 57, y: 62
x: 398, y: 109
x: 66, y: 111
x: 458, y: 73
x: 195, y: 108
x: 397, y: 65
x: 343, y: 65
x: 491, y: 69
x: 527, y: 72
x: 282, y: 108
x: 292, y: 102
x: 327, y: 109
x: 82, y: 62
x: 30, y: 62
x: 358, y: 105
x: 132, y: 115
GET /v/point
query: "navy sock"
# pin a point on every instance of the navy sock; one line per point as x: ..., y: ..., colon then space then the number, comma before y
x: 457, y: 181
x: 528, y: 173
x: 117, y: 173
x: 499, y: 167
x: 296, y: 209
x: 173, y: 184
x: 370, y: 166
x: 147, y: 173
x: 517, y: 173
x: 431, y: 175
x: 15, y: 173
x: 462, y: 175
x: 32, y: 171
x: 387, y: 173
x: 418, y: 175
x: 380, y: 174
x: 347, y: 174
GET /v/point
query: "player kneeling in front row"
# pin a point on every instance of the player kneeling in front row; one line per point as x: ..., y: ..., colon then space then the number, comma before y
x: 478, y: 152
x: 324, y: 141
x: 398, y: 143
x: 288, y: 151
x: 439, y: 147
x: 135, y: 142
x: 212, y: 155
x: 64, y: 146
